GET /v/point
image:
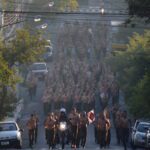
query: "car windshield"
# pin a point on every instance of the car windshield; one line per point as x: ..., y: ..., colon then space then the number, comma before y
x: 143, y: 127
x: 38, y: 67
x: 8, y: 127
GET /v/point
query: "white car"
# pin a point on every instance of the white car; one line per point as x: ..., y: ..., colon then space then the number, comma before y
x: 39, y: 69
x: 42, y: 26
x: 10, y: 135
x: 140, y: 136
x: 37, y: 18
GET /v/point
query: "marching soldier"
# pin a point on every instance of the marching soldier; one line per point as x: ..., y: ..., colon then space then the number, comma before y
x: 36, y: 127
x: 108, y: 126
x: 74, y: 120
x: 124, y: 124
x: 51, y: 125
x: 118, y: 126
x: 46, y: 127
x: 32, y: 85
x: 31, y: 128
x: 57, y: 139
x: 96, y: 130
x: 83, y: 128
x: 101, y: 130
x: 45, y: 100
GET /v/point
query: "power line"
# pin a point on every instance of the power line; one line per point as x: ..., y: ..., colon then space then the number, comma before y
x: 71, y: 21
x: 79, y: 20
x: 70, y: 12
x: 60, y: 12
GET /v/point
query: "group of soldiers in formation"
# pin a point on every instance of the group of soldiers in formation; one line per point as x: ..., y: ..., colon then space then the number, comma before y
x: 77, y: 123
x: 77, y: 84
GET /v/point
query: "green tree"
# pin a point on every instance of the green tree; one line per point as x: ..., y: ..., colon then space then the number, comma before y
x: 7, y: 79
x: 25, y: 48
x: 71, y: 4
x: 6, y: 5
x: 132, y: 67
x: 140, y: 100
x: 140, y: 8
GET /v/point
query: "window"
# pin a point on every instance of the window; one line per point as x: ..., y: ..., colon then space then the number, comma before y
x: 8, y: 127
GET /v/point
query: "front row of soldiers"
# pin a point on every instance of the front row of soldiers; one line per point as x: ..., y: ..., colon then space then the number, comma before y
x: 76, y: 132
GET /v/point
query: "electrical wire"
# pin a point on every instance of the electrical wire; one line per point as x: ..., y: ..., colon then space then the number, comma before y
x: 59, y: 20
x: 67, y: 13
x: 73, y: 21
x: 58, y: 12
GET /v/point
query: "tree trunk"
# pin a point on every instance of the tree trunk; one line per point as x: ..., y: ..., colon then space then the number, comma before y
x: 2, y: 101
